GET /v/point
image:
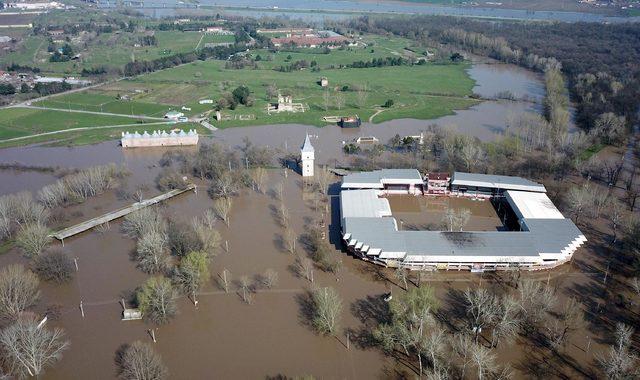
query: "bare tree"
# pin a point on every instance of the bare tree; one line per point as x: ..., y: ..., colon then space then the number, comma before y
x: 18, y: 291
x: 483, y: 360
x: 270, y: 278
x: 224, y: 279
x: 156, y: 300
x: 482, y: 309
x: 463, y: 346
x: 289, y: 238
x: 152, y: 252
x: 401, y: 275
x: 56, y: 267
x: 33, y: 238
x: 283, y: 215
x: 455, y: 220
x: 28, y: 348
x: 327, y: 307
x: 138, y: 361
x: 568, y: 320
x: 339, y: 100
x: 361, y: 96
x: 579, y: 200
x: 536, y: 299
x: 635, y: 284
x: 507, y: 321
x: 222, y: 207
x: 323, y: 178
x: 471, y: 154
x: 258, y: 177
x: 304, y: 267
x: 245, y: 289
x: 620, y: 362
x: 207, y: 235
x: 272, y: 91
x: 279, y: 191
x: 616, y: 213
x: 326, y: 100
x: 141, y: 221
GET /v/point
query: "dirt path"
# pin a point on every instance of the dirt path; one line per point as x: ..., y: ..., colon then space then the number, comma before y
x: 374, y: 115
x: 80, y: 129
x: 199, y: 41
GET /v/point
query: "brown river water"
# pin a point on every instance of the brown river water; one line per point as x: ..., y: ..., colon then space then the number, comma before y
x: 224, y: 337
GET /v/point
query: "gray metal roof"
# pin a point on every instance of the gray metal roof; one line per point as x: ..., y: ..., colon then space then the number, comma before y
x: 543, y: 236
x: 363, y: 203
x: 378, y: 176
x: 496, y: 181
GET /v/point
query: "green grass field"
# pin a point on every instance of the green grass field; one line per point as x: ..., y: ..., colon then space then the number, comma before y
x: 110, y: 49
x: 17, y: 122
x: 423, y: 92
x: 100, y: 102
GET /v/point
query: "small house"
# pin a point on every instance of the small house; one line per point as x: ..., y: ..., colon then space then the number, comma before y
x: 174, y: 115
x: 324, y: 82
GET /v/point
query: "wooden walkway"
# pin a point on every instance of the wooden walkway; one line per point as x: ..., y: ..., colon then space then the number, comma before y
x: 89, y: 224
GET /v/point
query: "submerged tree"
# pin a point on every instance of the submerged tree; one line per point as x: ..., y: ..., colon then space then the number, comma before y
x: 327, y: 306
x: 18, y: 291
x: 192, y: 273
x: 33, y: 238
x: 138, y: 361
x: 455, y: 220
x: 55, y: 267
x: 28, y: 348
x: 156, y: 300
x: 222, y: 208
x: 412, y: 328
x: 152, y: 252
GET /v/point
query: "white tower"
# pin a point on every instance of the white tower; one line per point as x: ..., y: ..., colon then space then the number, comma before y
x: 307, y: 157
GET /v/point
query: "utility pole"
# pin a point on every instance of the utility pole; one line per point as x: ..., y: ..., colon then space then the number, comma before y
x: 75, y: 261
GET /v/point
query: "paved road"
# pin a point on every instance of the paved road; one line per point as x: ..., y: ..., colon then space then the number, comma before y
x: 83, y: 129
x: 90, y: 112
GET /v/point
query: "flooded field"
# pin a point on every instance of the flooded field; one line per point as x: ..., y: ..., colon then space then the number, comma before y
x: 224, y: 337
x: 426, y: 213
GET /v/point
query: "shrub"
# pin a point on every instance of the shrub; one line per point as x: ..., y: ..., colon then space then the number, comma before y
x: 54, y: 267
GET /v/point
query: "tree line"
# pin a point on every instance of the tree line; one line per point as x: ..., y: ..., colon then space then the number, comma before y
x: 600, y: 61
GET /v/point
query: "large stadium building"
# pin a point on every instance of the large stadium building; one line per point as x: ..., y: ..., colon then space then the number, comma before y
x: 544, y: 237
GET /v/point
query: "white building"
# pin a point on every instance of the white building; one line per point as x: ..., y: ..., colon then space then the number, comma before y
x: 544, y: 239
x: 173, y: 115
x: 307, y: 156
x: 159, y: 138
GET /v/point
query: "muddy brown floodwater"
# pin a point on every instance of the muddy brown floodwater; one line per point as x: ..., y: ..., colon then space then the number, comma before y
x: 426, y: 213
x: 223, y: 337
